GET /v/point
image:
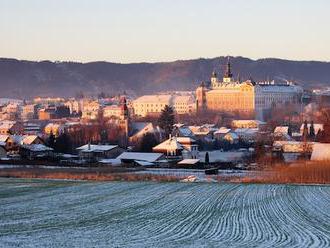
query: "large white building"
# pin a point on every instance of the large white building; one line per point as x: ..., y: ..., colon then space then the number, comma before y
x: 228, y: 94
x: 154, y: 104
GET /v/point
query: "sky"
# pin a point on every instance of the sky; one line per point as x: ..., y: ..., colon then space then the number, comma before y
x: 128, y: 31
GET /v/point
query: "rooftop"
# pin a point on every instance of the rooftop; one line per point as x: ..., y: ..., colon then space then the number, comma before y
x: 140, y: 156
x: 96, y: 148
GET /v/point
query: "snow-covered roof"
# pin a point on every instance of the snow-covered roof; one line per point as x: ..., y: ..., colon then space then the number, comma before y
x: 294, y: 146
x: 3, y: 137
x: 247, y: 122
x: 200, y: 130
x: 218, y: 156
x: 189, y: 161
x: 37, y: 148
x: 165, y: 99
x: 7, y: 124
x: 232, y: 135
x: 281, y: 130
x: 141, y: 156
x: 139, y: 125
x: 185, y: 131
x: 185, y: 140
x: 9, y: 100
x: 279, y: 88
x: 178, y: 125
x: 96, y: 148
x: 321, y: 152
x: 141, y: 128
x: 222, y: 130
x: 170, y: 144
x: 29, y: 139
x: 246, y: 131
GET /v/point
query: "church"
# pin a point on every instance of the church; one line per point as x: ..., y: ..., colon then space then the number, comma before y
x: 230, y: 95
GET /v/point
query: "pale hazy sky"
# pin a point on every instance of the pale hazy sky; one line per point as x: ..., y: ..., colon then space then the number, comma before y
x: 164, y: 30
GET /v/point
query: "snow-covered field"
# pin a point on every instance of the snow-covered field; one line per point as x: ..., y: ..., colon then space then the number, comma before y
x: 41, y: 213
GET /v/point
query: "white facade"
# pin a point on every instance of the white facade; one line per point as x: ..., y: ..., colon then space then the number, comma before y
x: 112, y: 111
x: 268, y: 94
x: 90, y: 109
x: 154, y: 104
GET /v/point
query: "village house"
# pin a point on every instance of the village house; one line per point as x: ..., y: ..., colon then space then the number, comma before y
x: 221, y: 132
x: 139, y: 129
x: 12, y: 111
x: 112, y: 111
x: 248, y: 135
x: 178, y: 147
x: 29, y: 112
x: 13, y: 142
x: 248, y: 124
x: 35, y: 151
x: 94, y: 153
x: 11, y: 127
x: 181, y: 130
x: 31, y: 128
x: 282, y: 133
x: 47, y: 113
x: 90, y: 109
x: 9, y: 143
x: 292, y: 150
x: 28, y: 139
x: 204, y: 132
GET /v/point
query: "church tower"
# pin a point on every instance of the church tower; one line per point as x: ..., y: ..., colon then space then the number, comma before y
x: 201, y: 98
x: 228, y: 76
x: 124, y: 120
x: 214, y: 80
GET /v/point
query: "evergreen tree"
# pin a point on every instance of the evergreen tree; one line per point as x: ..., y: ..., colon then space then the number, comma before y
x: 167, y: 119
x: 104, y: 136
x: 289, y: 130
x: 51, y: 140
x: 305, y: 131
x: 312, y: 130
x: 207, y: 158
x: 148, y: 142
x: 63, y: 143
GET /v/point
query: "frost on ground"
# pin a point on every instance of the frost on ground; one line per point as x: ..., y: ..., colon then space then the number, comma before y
x: 41, y: 213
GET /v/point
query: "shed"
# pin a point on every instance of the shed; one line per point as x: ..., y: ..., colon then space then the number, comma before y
x: 93, y: 153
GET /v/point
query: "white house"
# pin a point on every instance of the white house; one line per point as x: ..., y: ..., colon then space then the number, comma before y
x: 177, y: 147
x: 321, y: 152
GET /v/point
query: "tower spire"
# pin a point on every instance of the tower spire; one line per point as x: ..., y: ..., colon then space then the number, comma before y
x: 228, y: 73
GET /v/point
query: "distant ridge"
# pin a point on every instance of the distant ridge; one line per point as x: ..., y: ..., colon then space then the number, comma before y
x: 26, y: 79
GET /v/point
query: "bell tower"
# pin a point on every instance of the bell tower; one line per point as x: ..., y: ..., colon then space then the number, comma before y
x: 201, y: 97
x: 228, y: 76
x: 214, y: 80
x: 124, y: 120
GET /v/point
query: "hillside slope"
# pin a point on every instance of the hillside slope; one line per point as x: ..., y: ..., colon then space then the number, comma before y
x: 26, y: 79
